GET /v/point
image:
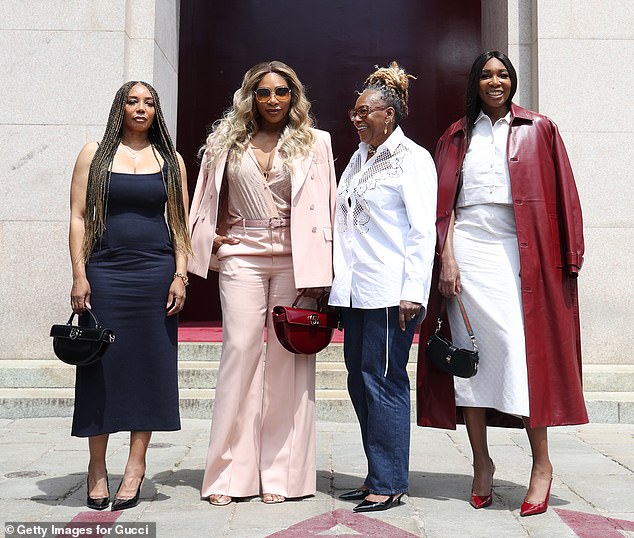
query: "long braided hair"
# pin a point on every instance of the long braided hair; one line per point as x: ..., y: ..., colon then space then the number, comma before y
x: 393, y: 83
x: 101, y: 167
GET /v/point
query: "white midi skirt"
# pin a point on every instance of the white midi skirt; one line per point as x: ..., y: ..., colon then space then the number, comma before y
x: 485, y: 246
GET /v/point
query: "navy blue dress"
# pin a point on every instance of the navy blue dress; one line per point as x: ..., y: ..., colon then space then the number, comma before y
x: 134, y: 387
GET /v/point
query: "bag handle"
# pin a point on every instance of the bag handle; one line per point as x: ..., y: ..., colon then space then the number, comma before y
x: 465, y: 319
x: 97, y: 325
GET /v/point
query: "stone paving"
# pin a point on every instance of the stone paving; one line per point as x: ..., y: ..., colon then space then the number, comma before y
x: 42, y: 479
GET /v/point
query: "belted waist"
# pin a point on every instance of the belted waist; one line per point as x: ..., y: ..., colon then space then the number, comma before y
x: 273, y: 222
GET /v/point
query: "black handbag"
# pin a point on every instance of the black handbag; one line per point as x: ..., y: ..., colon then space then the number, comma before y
x: 447, y: 357
x: 81, y: 344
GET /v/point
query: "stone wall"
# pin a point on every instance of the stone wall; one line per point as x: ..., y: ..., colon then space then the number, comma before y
x: 62, y: 62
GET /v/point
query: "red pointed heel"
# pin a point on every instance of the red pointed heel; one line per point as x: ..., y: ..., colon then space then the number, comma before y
x: 533, y: 509
x: 482, y: 501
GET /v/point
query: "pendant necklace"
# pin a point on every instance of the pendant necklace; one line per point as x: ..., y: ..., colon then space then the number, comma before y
x: 269, y: 164
x: 132, y: 153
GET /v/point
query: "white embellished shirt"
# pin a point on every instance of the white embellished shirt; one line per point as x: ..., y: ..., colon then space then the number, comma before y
x: 385, y: 226
x: 485, y: 170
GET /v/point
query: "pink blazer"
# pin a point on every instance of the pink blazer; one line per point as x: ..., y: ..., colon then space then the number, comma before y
x: 313, y: 195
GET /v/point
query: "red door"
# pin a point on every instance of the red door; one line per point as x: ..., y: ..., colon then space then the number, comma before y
x: 332, y: 45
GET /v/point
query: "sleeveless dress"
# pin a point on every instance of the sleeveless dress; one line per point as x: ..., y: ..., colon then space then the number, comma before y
x: 134, y: 387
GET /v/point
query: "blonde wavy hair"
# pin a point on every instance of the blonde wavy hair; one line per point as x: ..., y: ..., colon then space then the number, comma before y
x: 239, y: 123
x: 393, y: 83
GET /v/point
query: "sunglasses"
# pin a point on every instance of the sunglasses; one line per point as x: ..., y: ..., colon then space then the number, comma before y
x: 262, y: 95
x: 363, y: 111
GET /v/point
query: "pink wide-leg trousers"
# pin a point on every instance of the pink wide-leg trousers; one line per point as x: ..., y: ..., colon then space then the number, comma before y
x: 263, y: 423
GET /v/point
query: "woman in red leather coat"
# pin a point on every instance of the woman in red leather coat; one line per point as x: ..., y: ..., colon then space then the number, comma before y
x: 510, y: 240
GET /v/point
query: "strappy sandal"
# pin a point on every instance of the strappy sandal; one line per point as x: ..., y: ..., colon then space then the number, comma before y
x: 272, y: 498
x: 220, y: 500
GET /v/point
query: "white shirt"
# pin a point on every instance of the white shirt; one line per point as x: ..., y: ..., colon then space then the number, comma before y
x: 485, y: 170
x: 385, y: 226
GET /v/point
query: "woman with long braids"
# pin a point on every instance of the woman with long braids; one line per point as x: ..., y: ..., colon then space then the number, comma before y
x: 128, y: 245
x: 383, y: 254
x: 262, y: 216
x: 510, y: 241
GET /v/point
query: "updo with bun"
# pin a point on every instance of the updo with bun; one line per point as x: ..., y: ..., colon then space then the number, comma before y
x: 393, y: 83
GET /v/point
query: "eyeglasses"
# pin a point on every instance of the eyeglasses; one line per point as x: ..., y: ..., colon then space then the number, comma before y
x: 363, y: 111
x: 262, y: 95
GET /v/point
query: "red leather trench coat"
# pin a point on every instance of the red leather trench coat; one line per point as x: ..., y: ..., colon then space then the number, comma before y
x: 551, y: 248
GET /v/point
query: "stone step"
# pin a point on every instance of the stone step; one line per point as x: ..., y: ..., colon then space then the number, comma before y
x: 191, y: 374
x: 210, y: 351
x: 201, y: 374
x: 331, y: 405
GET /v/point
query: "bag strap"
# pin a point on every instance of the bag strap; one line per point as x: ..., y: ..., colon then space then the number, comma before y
x: 465, y: 319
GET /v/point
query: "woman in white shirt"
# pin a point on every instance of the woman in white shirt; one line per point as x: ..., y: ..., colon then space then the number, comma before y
x: 383, y: 256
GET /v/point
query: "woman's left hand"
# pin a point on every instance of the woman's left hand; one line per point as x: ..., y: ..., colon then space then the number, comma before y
x: 176, y: 297
x: 313, y: 293
x: 407, y: 311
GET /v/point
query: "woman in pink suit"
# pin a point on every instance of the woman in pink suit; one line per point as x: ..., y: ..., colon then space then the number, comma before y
x: 262, y: 216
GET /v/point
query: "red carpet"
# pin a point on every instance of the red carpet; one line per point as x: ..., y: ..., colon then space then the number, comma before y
x: 206, y: 331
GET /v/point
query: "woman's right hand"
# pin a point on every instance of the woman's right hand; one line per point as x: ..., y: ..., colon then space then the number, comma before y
x: 220, y: 240
x: 449, y: 282
x: 80, y: 295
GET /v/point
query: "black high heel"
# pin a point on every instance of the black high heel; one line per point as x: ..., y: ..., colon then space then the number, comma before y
x: 99, y: 503
x: 355, y: 495
x: 124, y: 504
x: 377, y: 506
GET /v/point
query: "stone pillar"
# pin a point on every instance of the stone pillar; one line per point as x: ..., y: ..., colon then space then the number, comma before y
x: 585, y: 51
x: 62, y: 63
x: 507, y: 26
x: 574, y: 64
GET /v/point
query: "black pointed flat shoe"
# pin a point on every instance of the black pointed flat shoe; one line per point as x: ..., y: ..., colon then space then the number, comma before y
x: 99, y: 503
x: 355, y: 495
x: 377, y: 506
x: 124, y: 504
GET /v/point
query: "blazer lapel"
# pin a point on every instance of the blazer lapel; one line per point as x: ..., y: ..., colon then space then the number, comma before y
x: 300, y: 172
x: 219, y: 171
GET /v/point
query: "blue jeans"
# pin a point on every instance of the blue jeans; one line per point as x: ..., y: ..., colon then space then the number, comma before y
x: 376, y: 352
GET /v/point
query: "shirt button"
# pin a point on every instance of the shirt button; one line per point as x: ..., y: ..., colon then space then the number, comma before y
x: 314, y: 229
x: 312, y: 206
x: 523, y: 244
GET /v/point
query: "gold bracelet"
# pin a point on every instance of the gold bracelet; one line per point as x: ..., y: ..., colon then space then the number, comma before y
x: 183, y: 277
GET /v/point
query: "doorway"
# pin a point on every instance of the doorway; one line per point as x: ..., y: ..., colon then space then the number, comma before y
x: 332, y: 45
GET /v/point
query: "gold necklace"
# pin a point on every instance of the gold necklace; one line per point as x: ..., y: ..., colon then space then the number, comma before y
x: 269, y: 164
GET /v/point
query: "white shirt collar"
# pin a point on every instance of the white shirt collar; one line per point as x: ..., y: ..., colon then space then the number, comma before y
x: 506, y: 118
x: 391, y: 143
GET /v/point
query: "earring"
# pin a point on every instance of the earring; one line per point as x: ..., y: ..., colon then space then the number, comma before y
x: 385, y: 128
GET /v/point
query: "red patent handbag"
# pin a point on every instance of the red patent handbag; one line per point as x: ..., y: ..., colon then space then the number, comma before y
x: 304, y: 331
